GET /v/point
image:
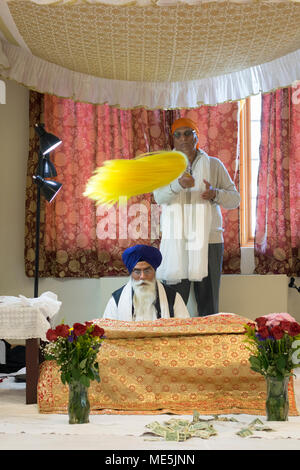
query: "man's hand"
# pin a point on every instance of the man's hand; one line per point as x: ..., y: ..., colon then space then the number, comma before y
x: 186, y: 180
x: 210, y: 193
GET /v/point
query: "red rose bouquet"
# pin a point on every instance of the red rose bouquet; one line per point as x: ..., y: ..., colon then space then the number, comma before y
x: 75, y: 350
x: 274, y: 344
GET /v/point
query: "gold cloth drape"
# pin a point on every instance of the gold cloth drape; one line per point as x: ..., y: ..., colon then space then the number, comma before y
x: 168, y: 366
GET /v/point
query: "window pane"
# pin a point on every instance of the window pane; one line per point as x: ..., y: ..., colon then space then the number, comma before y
x: 255, y: 139
x: 250, y: 132
x: 255, y: 107
x: 253, y: 215
x: 255, y: 143
x: 254, y: 173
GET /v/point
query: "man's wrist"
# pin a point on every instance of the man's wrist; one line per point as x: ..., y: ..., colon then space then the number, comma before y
x: 176, y: 187
x: 214, y: 195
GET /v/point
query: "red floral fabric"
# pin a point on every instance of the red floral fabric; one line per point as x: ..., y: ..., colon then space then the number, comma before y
x: 277, y: 235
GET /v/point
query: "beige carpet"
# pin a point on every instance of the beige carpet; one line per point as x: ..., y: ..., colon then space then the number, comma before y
x: 23, y: 427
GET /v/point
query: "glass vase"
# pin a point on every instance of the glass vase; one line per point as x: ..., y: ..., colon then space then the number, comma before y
x: 79, y: 405
x: 277, y: 403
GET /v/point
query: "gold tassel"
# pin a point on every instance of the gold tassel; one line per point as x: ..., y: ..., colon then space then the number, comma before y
x: 126, y: 178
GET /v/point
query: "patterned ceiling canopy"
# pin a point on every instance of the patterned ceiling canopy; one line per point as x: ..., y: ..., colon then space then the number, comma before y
x: 147, y: 43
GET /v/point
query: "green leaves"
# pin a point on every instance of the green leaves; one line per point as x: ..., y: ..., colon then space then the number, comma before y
x: 75, y: 373
x: 84, y: 380
x: 255, y: 364
x: 277, y: 367
x: 281, y: 364
x: 82, y: 364
x: 76, y: 354
x: 269, y: 356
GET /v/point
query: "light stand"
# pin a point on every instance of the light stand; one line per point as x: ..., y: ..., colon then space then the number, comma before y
x: 292, y: 284
x: 45, y: 169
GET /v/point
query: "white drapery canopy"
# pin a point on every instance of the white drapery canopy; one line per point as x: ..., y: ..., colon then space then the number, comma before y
x: 164, y: 54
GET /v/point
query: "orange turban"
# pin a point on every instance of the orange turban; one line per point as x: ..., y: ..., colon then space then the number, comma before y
x: 185, y: 122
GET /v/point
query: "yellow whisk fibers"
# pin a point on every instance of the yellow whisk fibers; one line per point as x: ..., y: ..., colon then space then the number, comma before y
x: 141, y: 175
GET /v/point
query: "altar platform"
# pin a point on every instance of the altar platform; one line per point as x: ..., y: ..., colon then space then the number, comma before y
x: 154, y: 373
x: 169, y: 366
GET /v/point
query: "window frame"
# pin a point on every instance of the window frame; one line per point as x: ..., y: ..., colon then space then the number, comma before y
x: 246, y: 236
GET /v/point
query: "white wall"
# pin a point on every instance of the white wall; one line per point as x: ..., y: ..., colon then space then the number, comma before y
x: 85, y: 299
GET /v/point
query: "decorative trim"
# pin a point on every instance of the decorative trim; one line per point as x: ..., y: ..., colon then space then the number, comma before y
x: 45, y: 77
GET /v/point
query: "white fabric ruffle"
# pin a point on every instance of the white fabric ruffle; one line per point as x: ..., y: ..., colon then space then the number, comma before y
x: 20, y: 65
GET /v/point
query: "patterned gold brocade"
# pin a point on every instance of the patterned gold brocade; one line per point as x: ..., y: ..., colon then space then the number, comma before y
x: 171, y: 366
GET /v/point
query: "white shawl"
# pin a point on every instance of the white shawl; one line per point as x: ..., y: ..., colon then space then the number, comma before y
x: 125, y: 302
x: 185, y: 226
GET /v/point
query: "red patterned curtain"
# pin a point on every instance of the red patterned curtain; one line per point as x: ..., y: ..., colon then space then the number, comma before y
x: 277, y: 236
x: 77, y: 238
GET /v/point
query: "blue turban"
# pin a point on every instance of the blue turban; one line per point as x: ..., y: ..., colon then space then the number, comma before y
x: 137, y: 253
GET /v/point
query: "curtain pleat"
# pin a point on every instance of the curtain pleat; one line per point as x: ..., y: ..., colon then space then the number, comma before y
x: 277, y: 235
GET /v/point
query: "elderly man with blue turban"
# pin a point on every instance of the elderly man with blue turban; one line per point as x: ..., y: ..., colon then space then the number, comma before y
x: 144, y: 298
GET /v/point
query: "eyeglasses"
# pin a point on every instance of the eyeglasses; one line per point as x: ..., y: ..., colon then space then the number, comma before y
x: 146, y: 271
x: 186, y: 133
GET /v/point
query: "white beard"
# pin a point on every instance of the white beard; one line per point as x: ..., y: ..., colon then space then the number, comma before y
x: 143, y: 300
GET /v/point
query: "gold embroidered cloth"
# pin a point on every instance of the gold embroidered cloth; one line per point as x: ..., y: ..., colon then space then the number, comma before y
x: 168, y: 366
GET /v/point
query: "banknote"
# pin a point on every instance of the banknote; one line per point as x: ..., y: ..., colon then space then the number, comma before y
x: 255, y: 425
x: 245, y: 432
x: 181, y: 429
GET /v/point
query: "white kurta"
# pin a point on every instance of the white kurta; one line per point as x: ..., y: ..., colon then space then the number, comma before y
x: 181, y: 258
x: 123, y: 311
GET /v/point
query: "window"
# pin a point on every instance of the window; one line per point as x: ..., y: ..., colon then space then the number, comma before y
x: 250, y: 131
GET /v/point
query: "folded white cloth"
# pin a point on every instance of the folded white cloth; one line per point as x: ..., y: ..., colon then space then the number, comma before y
x: 47, y: 303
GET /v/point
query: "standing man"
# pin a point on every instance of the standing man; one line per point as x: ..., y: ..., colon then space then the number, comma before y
x: 192, y: 242
x: 144, y: 298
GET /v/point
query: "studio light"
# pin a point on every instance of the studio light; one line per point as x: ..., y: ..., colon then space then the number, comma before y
x: 46, y: 167
x: 49, y: 188
x: 48, y: 141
